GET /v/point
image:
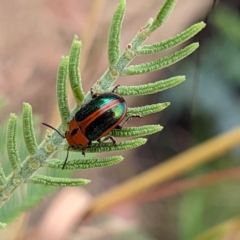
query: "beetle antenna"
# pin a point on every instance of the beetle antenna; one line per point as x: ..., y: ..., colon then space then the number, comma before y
x: 64, y: 164
x: 54, y: 129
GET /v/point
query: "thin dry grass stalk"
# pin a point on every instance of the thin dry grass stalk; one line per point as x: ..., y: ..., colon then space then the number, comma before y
x: 176, y: 187
x: 183, y: 162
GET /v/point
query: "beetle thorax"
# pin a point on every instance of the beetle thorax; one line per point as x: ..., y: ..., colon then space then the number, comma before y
x: 75, y: 137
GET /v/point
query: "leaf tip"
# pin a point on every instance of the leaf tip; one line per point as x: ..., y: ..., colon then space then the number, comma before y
x: 195, y: 45
x: 75, y: 37
x: 86, y: 181
x: 13, y: 116
x: 166, y: 104
x: 202, y: 24
x: 142, y: 140
x: 182, y: 78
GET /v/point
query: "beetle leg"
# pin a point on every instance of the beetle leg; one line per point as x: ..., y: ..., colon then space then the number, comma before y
x: 83, y: 152
x: 94, y: 95
x: 99, y: 140
x: 109, y: 137
x: 129, y: 119
x: 115, y: 88
x: 64, y: 164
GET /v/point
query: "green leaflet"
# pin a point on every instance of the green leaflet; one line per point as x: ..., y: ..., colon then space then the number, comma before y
x: 3, y: 179
x: 162, y: 62
x: 146, y: 110
x: 53, y: 181
x: 136, y: 131
x: 172, y: 42
x: 150, y: 88
x: 74, y: 74
x: 28, y: 130
x: 62, y: 91
x: 109, y: 147
x: 12, y: 143
x: 85, y: 163
x: 114, y: 33
x: 162, y: 15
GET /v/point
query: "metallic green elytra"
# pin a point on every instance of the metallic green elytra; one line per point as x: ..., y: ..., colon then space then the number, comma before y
x: 96, y: 119
x: 101, y: 115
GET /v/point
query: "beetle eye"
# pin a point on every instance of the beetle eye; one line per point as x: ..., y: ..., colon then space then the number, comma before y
x: 74, y: 131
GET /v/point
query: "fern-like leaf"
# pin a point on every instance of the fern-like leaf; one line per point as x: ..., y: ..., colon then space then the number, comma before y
x: 162, y: 62
x: 150, y: 88
x: 85, y: 163
x: 114, y: 33
x: 162, y: 15
x: 13, y: 154
x: 53, y: 181
x: 172, y: 42
x: 24, y: 172
x: 136, y: 131
x: 62, y: 91
x: 28, y: 130
x: 74, y: 74
x: 3, y: 179
x: 109, y: 147
x: 146, y: 110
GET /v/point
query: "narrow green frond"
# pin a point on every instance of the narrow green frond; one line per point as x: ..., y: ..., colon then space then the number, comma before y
x: 162, y: 62
x: 3, y: 179
x: 2, y: 225
x: 136, y: 131
x: 28, y: 129
x: 74, y: 73
x: 53, y: 181
x: 110, y: 147
x: 162, y: 15
x: 62, y: 90
x: 12, y: 143
x: 172, y: 42
x: 85, y: 163
x: 25, y: 171
x: 150, y: 88
x: 114, y: 33
x: 146, y: 110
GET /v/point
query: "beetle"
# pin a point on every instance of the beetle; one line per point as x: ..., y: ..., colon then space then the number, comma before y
x: 95, y: 120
